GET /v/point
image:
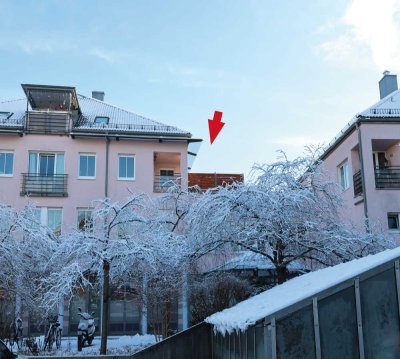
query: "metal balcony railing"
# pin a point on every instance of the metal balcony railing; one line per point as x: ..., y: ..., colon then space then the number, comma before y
x: 357, y: 183
x: 34, y: 184
x: 162, y: 183
x: 49, y: 123
x: 387, y: 177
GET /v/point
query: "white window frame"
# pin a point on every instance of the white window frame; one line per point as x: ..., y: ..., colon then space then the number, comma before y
x: 44, y: 215
x: 48, y: 153
x: 12, y: 170
x: 61, y: 217
x: 346, y: 175
x: 79, y: 164
x: 84, y: 209
x: 134, y: 168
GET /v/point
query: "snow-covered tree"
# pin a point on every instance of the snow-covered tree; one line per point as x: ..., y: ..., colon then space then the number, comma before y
x: 289, y: 212
x: 25, y: 248
x: 165, y: 277
x: 123, y: 242
x: 100, y: 254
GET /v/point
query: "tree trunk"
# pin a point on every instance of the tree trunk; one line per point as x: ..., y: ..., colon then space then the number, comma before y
x: 105, y: 309
x: 166, y: 318
x: 143, y: 320
x: 282, y: 274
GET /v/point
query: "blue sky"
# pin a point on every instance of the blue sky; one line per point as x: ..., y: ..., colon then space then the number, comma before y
x: 284, y: 73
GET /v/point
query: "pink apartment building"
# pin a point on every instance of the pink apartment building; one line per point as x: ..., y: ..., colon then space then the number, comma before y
x: 61, y: 151
x: 364, y: 159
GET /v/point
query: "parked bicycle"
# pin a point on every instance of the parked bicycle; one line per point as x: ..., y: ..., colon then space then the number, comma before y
x: 53, y: 336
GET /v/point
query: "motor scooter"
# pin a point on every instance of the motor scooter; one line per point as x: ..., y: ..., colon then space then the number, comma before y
x: 86, y: 329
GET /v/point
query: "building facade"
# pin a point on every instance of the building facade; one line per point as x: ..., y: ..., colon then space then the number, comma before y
x: 61, y: 151
x: 364, y: 159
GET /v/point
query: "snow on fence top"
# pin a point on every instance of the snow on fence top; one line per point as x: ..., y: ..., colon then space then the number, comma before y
x: 248, y: 312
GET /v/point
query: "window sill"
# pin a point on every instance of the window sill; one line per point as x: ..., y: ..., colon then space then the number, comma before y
x: 7, y: 176
x: 86, y: 178
x: 126, y: 179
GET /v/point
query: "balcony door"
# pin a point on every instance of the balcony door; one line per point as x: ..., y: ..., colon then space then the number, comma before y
x: 380, y: 160
x: 47, y: 164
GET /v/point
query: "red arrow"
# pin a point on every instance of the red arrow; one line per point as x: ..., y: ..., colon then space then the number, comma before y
x: 215, y: 125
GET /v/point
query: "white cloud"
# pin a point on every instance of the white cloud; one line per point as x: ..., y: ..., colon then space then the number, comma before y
x: 368, y: 35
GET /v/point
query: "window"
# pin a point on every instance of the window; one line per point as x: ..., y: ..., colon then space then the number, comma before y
x: 6, y: 163
x: 87, y: 166
x: 85, y: 220
x: 393, y: 220
x: 54, y: 220
x: 166, y: 178
x: 5, y: 115
x: 126, y: 167
x: 50, y: 217
x: 46, y: 164
x: 102, y: 119
x: 343, y: 172
x: 167, y: 173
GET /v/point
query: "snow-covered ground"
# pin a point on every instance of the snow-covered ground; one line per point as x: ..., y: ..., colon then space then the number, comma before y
x: 115, y: 345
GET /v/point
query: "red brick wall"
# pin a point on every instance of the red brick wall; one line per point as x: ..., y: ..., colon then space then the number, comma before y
x: 211, y: 180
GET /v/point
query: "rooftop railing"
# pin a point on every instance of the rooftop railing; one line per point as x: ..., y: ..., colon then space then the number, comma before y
x: 387, y: 177
x: 86, y: 124
x: 38, y: 185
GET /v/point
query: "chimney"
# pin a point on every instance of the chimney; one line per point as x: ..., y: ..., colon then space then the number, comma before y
x: 99, y: 95
x: 387, y: 84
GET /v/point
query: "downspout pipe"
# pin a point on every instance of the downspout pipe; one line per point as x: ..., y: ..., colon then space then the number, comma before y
x: 105, y: 196
x: 106, y: 174
x: 363, y: 176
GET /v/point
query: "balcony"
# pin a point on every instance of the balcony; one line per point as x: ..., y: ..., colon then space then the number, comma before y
x: 357, y: 183
x: 37, y: 185
x: 387, y: 177
x: 48, y: 123
x: 163, y: 183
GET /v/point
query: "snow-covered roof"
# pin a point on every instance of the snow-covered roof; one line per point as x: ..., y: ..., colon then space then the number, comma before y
x: 250, y: 311
x: 251, y: 260
x: 120, y: 120
x: 387, y: 108
x: 17, y: 109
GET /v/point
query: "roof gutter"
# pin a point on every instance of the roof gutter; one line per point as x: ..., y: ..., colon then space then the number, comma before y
x: 138, y: 137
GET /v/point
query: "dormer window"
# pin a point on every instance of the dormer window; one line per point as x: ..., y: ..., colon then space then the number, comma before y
x: 5, y: 115
x: 102, y: 119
